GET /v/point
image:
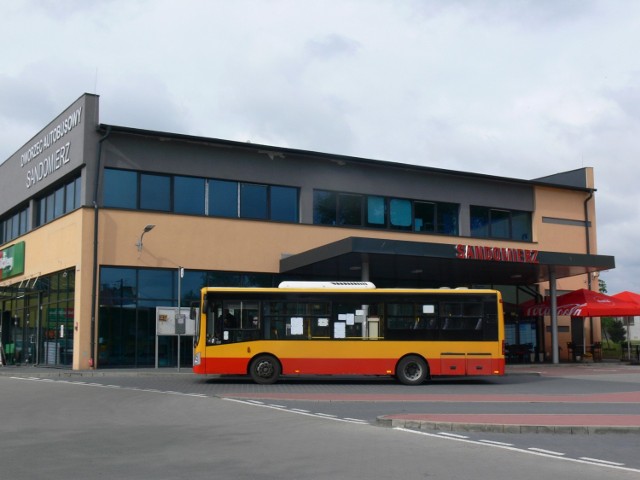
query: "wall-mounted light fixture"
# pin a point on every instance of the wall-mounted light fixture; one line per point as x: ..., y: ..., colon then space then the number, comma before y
x: 148, y: 228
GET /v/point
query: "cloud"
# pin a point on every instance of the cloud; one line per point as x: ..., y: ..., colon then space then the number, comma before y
x: 519, y: 88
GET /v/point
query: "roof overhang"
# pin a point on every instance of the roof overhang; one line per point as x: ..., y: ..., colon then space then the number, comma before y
x: 394, y: 261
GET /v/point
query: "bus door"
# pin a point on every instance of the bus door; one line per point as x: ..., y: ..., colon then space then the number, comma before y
x: 233, y: 321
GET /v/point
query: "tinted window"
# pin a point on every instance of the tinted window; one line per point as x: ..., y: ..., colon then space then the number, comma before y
x: 120, y: 188
x: 500, y: 224
x: 78, y: 191
x: 447, y: 218
x: 376, y: 212
x: 400, y: 214
x: 59, y: 202
x: 50, y: 210
x: 284, y: 204
x: 223, y: 198
x: 349, y: 209
x: 253, y: 201
x: 155, y: 192
x: 188, y: 195
x: 118, y: 286
x: 424, y: 220
x: 521, y: 226
x: 479, y: 222
x: 324, y: 207
x: 70, y: 196
x: 24, y: 221
x: 156, y: 284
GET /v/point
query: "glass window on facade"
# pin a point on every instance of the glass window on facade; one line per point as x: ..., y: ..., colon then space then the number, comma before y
x: 500, y: 224
x: 120, y: 188
x: 325, y: 206
x: 447, y: 218
x: 156, y: 284
x: 376, y: 212
x: 64, y: 199
x: 15, y: 225
x: 38, y: 327
x: 42, y: 211
x: 155, y: 192
x: 58, y: 203
x: 49, y: 203
x: 494, y: 223
x: 69, y: 196
x: 188, y: 195
x: 223, y: 198
x: 335, y: 208
x: 283, y: 204
x: 521, y: 226
x: 253, y: 201
x: 78, y: 192
x: 479, y: 221
x: 128, y: 300
x: 24, y: 221
x: 400, y: 215
x: 424, y: 217
x: 349, y: 209
x: 191, y: 283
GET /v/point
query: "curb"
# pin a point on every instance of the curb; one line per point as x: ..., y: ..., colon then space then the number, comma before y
x: 63, y: 373
x: 385, y: 421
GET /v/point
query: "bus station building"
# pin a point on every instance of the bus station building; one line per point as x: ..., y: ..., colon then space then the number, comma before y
x: 100, y: 225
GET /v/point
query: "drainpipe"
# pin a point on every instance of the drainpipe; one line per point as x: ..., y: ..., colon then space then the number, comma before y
x: 92, y: 359
x: 588, y: 245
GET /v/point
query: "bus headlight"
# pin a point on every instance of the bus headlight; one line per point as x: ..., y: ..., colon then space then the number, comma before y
x: 196, y: 359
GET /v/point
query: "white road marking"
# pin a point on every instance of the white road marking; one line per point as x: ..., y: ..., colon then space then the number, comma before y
x: 520, y: 450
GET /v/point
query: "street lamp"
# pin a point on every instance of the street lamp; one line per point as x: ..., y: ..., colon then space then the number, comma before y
x: 148, y: 228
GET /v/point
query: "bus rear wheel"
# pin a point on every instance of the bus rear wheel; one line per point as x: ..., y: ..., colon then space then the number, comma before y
x: 412, y: 370
x: 265, y: 369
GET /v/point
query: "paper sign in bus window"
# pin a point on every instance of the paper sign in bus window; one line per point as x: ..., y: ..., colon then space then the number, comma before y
x: 339, y: 330
x: 297, y: 326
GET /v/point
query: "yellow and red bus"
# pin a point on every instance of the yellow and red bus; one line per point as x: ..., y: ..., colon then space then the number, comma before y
x: 349, y: 328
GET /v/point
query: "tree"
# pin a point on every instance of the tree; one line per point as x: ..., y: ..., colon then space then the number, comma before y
x: 615, y: 330
x: 602, y: 286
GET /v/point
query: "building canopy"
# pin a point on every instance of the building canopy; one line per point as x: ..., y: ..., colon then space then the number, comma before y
x: 439, y: 264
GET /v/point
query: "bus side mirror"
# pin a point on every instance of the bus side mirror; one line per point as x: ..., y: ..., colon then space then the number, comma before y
x: 193, y: 311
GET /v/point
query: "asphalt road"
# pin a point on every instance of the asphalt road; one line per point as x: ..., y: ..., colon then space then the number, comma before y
x: 164, y: 425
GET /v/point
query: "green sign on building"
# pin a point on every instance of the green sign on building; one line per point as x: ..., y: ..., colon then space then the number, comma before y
x: 12, y: 261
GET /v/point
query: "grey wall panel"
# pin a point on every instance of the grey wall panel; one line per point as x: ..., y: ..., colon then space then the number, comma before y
x: 150, y: 153
x: 59, y: 149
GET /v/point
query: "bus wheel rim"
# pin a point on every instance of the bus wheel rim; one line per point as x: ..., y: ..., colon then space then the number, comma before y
x: 412, y: 371
x: 265, y: 369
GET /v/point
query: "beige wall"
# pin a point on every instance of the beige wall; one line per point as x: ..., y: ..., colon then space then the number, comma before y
x: 197, y: 242
x: 59, y: 246
x: 566, y: 205
x: 217, y: 244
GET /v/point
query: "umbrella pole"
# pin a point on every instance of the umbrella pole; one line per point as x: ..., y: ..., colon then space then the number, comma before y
x: 554, y: 316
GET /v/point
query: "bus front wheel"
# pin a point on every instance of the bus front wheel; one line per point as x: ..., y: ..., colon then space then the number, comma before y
x: 412, y: 370
x: 265, y: 369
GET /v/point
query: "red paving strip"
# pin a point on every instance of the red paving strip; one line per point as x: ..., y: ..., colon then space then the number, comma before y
x: 617, y: 397
x: 524, y: 419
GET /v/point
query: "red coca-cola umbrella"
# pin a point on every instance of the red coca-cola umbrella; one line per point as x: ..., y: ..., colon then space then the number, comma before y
x: 586, y: 303
x: 629, y: 297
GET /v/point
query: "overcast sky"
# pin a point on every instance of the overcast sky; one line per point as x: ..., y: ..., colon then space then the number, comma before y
x: 516, y: 88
